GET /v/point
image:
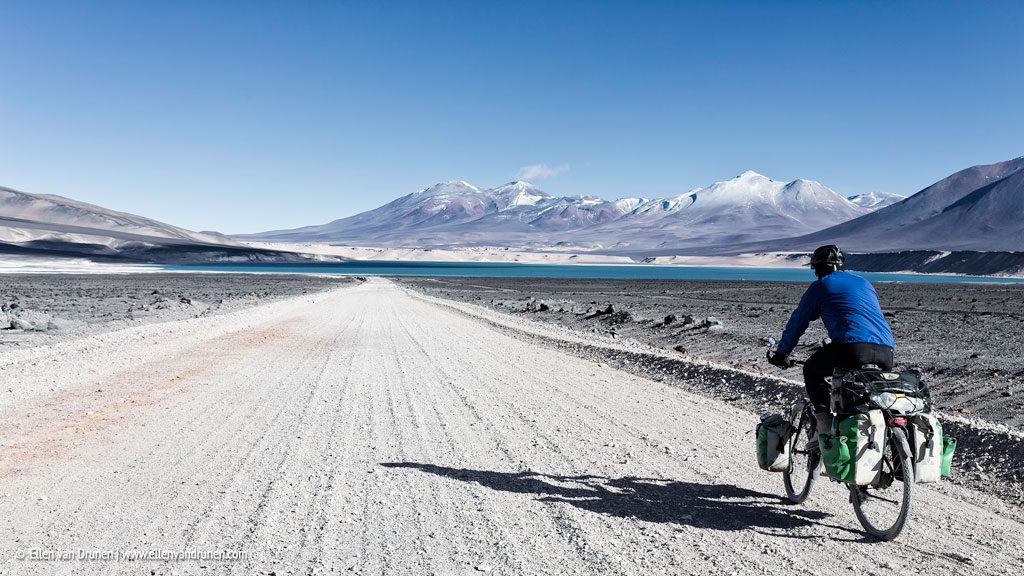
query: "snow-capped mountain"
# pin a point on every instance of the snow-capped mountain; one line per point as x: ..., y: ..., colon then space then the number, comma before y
x: 748, y: 207
x: 980, y: 208
x: 876, y: 200
x: 460, y: 213
x: 44, y: 224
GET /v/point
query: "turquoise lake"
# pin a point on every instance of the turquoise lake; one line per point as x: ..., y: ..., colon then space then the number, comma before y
x: 515, y: 270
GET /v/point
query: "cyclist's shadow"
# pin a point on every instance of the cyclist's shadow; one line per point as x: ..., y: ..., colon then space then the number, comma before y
x: 712, y: 506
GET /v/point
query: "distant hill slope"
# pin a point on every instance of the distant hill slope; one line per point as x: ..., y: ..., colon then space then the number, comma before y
x: 980, y: 208
x: 747, y: 207
x: 56, y: 214
x: 49, y: 225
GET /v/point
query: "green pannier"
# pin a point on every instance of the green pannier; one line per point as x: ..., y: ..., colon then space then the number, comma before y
x: 773, y: 443
x: 854, y: 453
x: 926, y: 446
x: 835, y: 456
x: 948, y: 447
x: 933, y: 450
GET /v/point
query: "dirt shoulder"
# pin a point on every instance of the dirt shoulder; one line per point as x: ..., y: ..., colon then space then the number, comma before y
x: 40, y: 309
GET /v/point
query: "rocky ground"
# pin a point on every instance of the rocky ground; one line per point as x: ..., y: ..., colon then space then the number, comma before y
x: 45, y: 308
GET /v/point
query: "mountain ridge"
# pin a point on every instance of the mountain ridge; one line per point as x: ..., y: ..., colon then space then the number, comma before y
x: 459, y: 213
x: 980, y: 208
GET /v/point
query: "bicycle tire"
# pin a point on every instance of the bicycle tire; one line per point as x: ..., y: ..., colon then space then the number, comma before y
x: 860, y: 495
x: 798, y: 485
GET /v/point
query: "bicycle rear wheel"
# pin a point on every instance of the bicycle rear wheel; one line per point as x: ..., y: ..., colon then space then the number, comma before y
x: 799, y: 477
x: 883, y: 511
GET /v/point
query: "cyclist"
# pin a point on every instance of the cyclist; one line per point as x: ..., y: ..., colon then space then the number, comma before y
x: 848, y: 306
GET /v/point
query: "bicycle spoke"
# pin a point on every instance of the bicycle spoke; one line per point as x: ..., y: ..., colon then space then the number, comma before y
x: 801, y: 473
x: 874, y: 496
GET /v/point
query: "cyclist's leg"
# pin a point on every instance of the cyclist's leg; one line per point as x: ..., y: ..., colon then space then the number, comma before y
x: 816, y: 369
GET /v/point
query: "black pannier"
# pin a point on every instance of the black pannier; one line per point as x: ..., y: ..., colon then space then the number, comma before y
x: 851, y: 389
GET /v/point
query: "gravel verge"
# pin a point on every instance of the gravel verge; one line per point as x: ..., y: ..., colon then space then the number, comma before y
x: 40, y: 309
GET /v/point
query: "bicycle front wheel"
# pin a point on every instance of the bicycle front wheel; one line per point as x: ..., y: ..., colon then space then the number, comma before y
x: 883, y: 510
x: 799, y: 477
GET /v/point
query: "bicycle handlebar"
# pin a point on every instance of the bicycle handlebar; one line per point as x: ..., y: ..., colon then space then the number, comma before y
x: 768, y: 354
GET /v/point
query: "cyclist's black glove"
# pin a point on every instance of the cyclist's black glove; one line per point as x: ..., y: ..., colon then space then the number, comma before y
x: 780, y: 360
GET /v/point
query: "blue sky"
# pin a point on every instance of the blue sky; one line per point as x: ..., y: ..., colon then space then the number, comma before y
x: 246, y: 116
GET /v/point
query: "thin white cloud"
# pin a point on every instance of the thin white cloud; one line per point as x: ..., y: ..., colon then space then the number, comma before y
x: 540, y: 171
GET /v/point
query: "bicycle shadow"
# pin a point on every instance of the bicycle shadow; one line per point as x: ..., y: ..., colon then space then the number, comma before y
x: 711, y: 506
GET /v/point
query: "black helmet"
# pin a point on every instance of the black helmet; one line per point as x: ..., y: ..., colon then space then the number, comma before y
x: 829, y: 255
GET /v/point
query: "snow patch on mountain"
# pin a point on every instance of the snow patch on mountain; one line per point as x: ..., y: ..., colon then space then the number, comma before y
x: 876, y: 200
x: 518, y: 193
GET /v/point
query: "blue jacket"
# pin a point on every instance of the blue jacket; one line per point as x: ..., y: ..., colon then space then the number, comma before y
x: 848, y: 306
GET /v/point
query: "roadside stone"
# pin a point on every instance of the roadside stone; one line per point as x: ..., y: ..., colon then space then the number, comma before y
x: 21, y: 324
x: 617, y: 318
x: 669, y: 319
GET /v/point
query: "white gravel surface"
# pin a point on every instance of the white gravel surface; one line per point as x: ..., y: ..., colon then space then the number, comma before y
x: 368, y: 430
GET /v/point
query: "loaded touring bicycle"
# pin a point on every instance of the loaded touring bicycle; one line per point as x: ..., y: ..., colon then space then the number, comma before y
x: 884, y: 440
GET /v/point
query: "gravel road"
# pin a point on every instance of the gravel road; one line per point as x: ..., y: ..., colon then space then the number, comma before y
x: 371, y: 430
